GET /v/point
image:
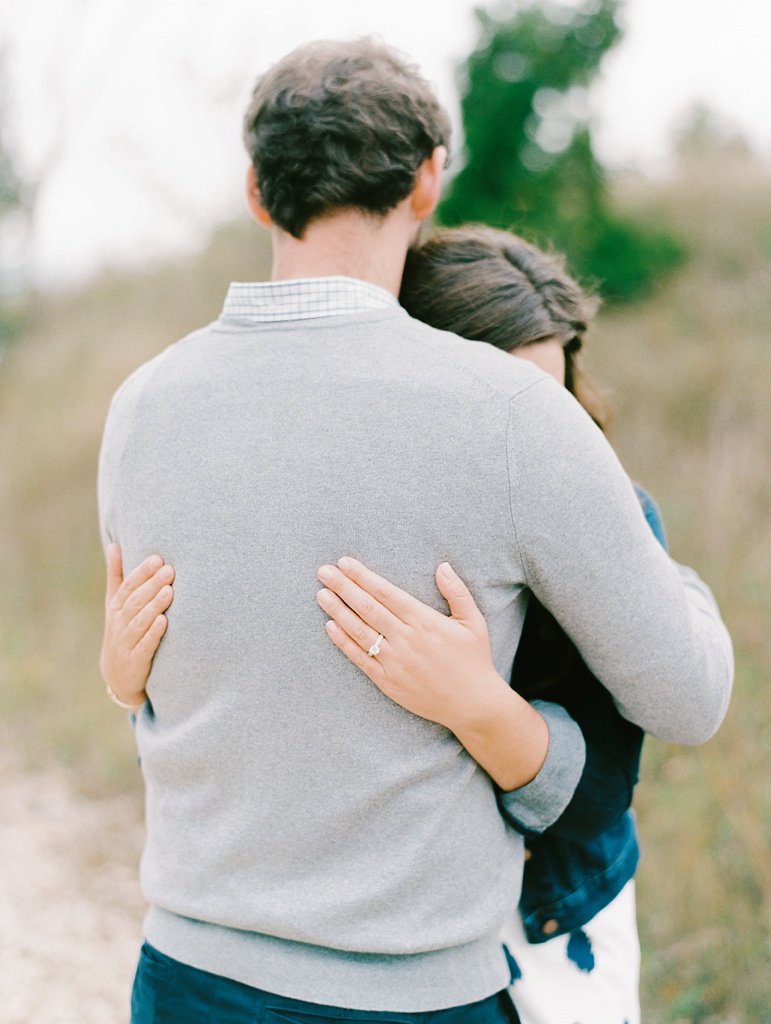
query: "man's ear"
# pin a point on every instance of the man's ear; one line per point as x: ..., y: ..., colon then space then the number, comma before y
x: 428, y: 184
x: 254, y: 200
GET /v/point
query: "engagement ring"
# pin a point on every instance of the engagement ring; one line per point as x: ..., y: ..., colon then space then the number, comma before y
x: 375, y: 648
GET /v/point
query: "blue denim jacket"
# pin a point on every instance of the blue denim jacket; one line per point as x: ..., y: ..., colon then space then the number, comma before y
x: 582, y: 862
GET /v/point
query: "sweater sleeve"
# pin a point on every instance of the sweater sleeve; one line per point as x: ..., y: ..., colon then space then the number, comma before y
x: 531, y: 809
x: 648, y: 628
x: 613, y: 745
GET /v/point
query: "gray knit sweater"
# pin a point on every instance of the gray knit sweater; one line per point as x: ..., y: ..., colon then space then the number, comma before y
x: 305, y: 835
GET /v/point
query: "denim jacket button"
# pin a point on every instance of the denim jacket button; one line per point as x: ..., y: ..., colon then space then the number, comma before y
x: 550, y: 927
x: 528, y: 854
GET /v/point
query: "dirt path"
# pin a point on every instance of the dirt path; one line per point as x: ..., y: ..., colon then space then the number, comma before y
x: 70, y: 906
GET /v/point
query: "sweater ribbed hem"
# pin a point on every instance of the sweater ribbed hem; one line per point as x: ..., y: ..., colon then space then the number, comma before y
x: 412, y: 983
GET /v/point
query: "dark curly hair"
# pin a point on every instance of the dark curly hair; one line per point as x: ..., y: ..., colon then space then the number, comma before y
x: 490, y: 285
x: 336, y: 125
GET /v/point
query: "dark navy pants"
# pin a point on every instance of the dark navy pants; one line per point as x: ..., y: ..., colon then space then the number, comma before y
x: 168, y: 992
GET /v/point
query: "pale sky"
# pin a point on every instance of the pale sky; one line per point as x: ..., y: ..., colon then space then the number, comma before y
x: 128, y: 111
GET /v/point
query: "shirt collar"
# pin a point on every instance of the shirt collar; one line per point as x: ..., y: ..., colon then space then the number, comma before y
x: 304, y: 299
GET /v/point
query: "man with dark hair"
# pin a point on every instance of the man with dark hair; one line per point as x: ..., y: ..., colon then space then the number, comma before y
x: 314, y: 852
x: 335, y: 125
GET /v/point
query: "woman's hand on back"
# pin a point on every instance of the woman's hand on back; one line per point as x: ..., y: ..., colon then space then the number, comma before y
x: 134, y: 623
x: 437, y: 666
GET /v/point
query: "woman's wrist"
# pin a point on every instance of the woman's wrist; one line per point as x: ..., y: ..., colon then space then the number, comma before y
x: 132, y: 703
x: 503, y: 733
x: 481, y: 701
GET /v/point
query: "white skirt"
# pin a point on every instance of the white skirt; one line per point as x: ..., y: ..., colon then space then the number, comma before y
x: 596, y: 981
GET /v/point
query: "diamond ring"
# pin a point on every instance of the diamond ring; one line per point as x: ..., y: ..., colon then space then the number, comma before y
x: 375, y: 648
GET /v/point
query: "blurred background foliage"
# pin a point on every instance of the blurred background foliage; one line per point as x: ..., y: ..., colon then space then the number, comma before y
x: 528, y: 162
x: 16, y: 200
x: 687, y: 366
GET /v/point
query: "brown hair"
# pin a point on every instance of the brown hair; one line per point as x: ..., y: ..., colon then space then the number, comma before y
x: 336, y: 125
x: 490, y: 285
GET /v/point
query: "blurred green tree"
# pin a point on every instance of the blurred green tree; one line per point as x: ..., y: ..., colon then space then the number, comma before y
x: 528, y: 162
x: 15, y: 208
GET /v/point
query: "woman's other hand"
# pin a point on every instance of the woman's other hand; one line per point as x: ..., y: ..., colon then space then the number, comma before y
x: 134, y: 623
x: 437, y: 666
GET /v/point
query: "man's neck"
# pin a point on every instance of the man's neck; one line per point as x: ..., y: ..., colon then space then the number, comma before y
x: 349, y: 244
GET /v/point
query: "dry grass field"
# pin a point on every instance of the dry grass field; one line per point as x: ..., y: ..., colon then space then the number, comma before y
x: 689, y: 371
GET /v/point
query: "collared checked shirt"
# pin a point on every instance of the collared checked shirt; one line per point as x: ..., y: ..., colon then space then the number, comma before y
x: 304, y: 298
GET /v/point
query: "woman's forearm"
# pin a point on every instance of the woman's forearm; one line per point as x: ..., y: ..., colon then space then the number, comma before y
x: 504, y: 734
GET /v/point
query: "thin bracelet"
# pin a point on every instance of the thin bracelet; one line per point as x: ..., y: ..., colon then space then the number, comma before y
x: 116, y: 700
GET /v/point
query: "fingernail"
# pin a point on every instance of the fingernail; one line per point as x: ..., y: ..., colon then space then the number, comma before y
x: 324, y: 596
x: 166, y: 572
x: 446, y: 570
x: 332, y: 628
x: 344, y: 564
x: 154, y: 562
x: 325, y: 572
